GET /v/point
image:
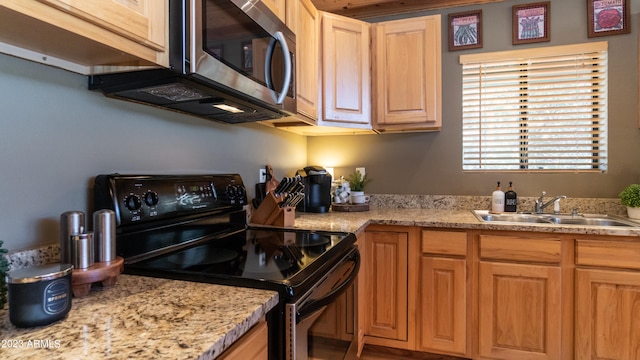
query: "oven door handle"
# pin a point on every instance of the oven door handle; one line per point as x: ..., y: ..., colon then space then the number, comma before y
x: 316, y: 305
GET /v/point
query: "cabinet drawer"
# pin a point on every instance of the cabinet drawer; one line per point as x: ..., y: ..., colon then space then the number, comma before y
x: 444, y: 242
x: 512, y: 248
x: 608, y: 254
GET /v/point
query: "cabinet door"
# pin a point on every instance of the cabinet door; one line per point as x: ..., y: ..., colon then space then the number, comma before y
x: 408, y: 74
x: 90, y: 37
x: 253, y: 345
x: 607, y: 315
x: 278, y: 7
x: 386, y: 284
x: 346, y: 71
x: 337, y: 320
x: 519, y: 311
x: 140, y: 20
x: 443, y: 305
x: 303, y: 19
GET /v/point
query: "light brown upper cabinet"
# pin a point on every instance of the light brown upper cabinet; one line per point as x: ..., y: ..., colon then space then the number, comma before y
x: 304, y: 20
x: 407, y: 75
x: 333, y: 73
x: 86, y: 36
x: 346, y: 72
x: 352, y: 79
x: 279, y: 7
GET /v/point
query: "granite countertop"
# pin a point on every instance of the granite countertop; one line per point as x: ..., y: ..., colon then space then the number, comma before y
x: 143, y: 318
x: 459, y: 219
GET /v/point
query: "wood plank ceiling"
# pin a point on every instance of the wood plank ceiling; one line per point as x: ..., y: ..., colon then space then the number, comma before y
x: 362, y: 9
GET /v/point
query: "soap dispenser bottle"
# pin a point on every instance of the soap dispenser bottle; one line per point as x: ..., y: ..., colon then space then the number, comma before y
x: 510, y: 199
x: 497, y: 200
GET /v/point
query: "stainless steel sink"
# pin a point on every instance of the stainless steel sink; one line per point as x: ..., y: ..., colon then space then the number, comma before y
x: 590, y: 220
x: 551, y: 219
x: 484, y: 215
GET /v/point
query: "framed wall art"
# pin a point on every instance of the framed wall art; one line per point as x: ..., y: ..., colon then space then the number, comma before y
x: 608, y: 17
x: 465, y: 30
x: 531, y: 23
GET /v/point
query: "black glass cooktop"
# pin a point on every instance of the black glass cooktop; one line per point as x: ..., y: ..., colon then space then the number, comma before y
x: 284, y: 260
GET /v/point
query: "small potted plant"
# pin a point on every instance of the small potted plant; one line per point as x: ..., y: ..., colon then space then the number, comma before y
x: 630, y: 197
x: 357, y: 183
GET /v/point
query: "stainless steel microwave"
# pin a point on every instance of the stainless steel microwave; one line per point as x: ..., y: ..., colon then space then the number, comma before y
x: 230, y: 60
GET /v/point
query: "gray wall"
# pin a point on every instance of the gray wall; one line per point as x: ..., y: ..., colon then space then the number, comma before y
x: 55, y: 136
x: 431, y: 163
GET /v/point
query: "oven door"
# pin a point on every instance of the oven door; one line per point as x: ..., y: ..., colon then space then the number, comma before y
x: 245, y: 47
x: 302, y: 342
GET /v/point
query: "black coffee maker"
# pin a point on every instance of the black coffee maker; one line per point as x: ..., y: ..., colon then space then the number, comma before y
x: 317, y: 190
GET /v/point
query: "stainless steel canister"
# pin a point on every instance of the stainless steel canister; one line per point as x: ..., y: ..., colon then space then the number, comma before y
x: 71, y: 223
x: 82, y: 250
x: 104, y: 235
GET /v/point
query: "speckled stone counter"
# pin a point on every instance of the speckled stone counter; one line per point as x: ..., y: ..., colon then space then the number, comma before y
x: 143, y: 318
x: 459, y: 219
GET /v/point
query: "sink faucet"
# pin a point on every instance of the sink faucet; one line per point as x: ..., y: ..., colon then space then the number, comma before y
x: 541, y: 205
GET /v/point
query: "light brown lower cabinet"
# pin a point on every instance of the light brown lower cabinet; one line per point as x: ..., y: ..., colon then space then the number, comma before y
x: 386, y: 287
x: 340, y: 319
x: 520, y: 297
x: 336, y: 321
x: 519, y: 308
x: 443, y: 297
x: 607, y: 315
x: 607, y: 299
x: 419, y: 310
x: 253, y: 345
x: 502, y: 294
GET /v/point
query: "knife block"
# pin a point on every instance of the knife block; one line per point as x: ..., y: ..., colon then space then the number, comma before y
x: 270, y: 213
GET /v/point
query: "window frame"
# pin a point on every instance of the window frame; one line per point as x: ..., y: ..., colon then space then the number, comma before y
x: 590, y: 118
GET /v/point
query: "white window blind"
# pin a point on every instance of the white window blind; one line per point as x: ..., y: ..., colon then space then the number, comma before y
x: 542, y: 109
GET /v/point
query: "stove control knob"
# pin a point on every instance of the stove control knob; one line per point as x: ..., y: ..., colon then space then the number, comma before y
x: 240, y: 192
x: 132, y: 202
x: 231, y: 191
x: 151, y: 198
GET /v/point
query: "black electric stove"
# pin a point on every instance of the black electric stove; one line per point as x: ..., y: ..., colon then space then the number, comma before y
x: 194, y: 227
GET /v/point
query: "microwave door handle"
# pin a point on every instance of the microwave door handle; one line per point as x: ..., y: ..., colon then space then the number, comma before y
x: 279, y: 37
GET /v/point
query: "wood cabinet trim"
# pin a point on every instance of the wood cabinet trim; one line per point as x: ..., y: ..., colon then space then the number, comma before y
x: 453, y: 243
x: 512, y: 248
x: 604, y: 253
